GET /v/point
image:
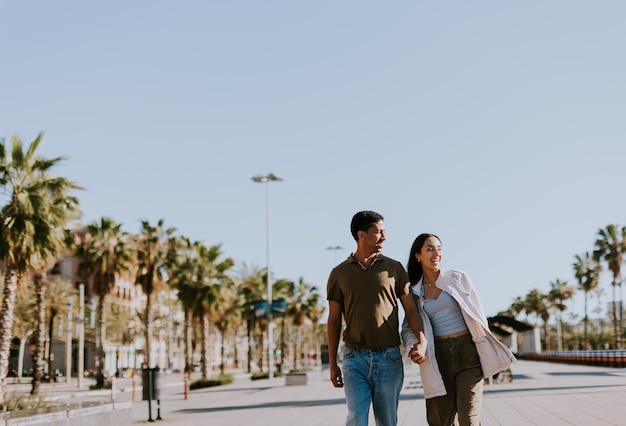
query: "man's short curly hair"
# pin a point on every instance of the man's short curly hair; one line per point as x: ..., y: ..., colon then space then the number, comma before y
x: 363, y: 221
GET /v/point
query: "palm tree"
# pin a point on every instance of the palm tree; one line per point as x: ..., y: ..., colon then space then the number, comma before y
x: 40, y: 284
x: 32, y: 230
x: 200, y: 295
x: 206, y: 293
x: 299, y: 309
x: 317, y: 333
x: 23, y: 326
x: 153, y: 253
x: 559, y: 293
x: 282, y: 290
x: 183, y: 280
x: 226, y: 311
x: 535, y: 303
x: 40, y: 265
x: 599, y: 294
x: 58, y: 292
x: 106, y: 254
x: 611, y: 247
x: 516, y: 307
x: 211, y: 273
x: 253, y: 288
x: 587, y: 272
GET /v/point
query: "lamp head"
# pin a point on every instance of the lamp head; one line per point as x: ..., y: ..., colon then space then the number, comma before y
x: 269, y: 177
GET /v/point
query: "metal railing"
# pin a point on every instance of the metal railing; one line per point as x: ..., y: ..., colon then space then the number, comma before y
x: 615, y: 358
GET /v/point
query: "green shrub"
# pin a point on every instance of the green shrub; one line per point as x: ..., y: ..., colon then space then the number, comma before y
x: 264, y: 375
x: 300, y: 370
x: 222, y: 379
x: 107, y: 385
x: 15, y: 402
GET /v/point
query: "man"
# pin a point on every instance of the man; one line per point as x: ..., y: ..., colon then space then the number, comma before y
x: 364, y: 289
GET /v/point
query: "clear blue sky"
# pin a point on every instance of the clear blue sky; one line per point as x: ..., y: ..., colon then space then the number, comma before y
x: 499, y: 126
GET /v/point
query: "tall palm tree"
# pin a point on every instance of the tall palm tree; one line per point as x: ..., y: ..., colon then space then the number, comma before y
x: 516, y: 307
x: 226, y: 311
x: 40, y: 265
x: 183, y: 280
x: 106, y: 254
x: 33, y: 221
x: 535, y: 303
x: 253, y: 288
x: 587, y: 273
x: 58, y: 292
x: 299, y: 309
x: 611, y: 248
x: 559, y: 293
x: 211, y: 273
x: 23, y: 325
x: 282, y: 290
x: 153, y: 251
x: 317, y: 333
x: 40, y: 281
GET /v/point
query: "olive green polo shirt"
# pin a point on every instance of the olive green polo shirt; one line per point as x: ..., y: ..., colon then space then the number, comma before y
x: 369, y: 300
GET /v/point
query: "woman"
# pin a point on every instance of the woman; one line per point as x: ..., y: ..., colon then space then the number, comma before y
x: 461, y: 350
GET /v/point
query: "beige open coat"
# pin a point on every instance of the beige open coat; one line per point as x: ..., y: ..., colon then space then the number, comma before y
x: 494, y: 355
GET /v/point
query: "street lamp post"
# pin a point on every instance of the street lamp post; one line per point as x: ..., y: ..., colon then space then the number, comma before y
x: 68, y: 353
x: 334, y: 249
x: 266, y: 180
x: 80, y: 324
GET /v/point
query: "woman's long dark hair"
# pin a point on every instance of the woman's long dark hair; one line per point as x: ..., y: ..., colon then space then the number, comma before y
x: 413, y: 267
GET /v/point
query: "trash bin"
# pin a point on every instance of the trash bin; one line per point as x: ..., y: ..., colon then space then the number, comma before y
x: 153, y: 383
x: 325, y: 356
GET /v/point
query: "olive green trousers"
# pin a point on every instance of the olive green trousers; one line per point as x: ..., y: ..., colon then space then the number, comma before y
x: 459, y: 365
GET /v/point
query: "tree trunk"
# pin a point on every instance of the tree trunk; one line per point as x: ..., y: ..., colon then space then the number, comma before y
x: 262, y: 350
x: 586, y: 322
x: 188, y: 346
x: 236, y: 347
x: 250, y: 336
x: 559, y: 334
x: 620, y: 317
x: 6, y: 324
x: 21, y: 353
x: 148, y: 336
x: 223, y: 340
x: 295, y: 348
x: 40, y: 332
x: 616, y: 327
x: 205, y: 346
x: 50, y: 354
x: 100, y: 337
x: 282, y: 344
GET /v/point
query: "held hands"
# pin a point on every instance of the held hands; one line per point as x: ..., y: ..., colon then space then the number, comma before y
x: 335, y: 376
x: 417, y: 352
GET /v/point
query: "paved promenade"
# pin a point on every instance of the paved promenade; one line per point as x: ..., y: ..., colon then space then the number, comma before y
x: 540, y: 394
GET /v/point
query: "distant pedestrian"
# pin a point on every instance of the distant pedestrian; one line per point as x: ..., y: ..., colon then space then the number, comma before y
x: 364, y: 290
x: 461, y: 350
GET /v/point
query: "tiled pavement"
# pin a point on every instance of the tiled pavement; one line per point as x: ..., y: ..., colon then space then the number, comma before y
x: 540, y: 394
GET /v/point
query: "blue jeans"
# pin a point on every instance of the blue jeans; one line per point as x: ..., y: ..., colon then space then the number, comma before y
x: 374, y: 377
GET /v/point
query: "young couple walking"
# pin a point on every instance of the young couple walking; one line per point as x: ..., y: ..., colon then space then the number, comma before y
x: 444, y: 331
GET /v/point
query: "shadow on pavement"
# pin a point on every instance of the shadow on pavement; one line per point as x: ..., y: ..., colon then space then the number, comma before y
x: 282, y: 404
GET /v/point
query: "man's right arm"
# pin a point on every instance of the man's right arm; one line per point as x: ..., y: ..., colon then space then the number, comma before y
x: 334, y: 331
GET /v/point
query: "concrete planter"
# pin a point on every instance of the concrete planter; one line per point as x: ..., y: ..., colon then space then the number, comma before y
x: 118, y: 414
x: 295, y: 379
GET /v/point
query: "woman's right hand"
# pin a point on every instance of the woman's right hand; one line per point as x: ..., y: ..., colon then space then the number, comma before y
x: 417, y: 353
